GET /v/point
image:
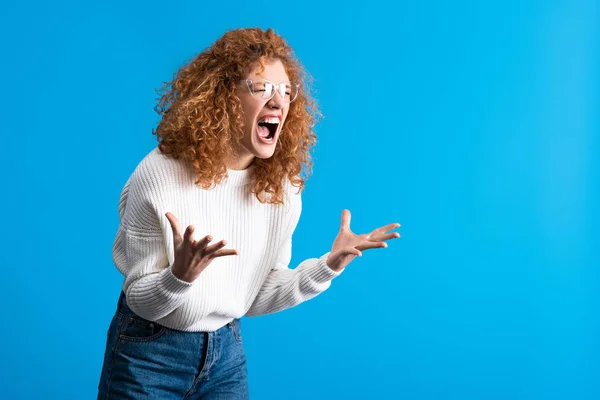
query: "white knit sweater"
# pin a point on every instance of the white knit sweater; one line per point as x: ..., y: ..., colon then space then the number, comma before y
x: 256, y: 281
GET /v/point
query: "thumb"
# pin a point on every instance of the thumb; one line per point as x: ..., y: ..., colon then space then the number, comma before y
x: 175, y: 227
x: 350, y: 251
x: 346, y: 219
x: 355, y: 251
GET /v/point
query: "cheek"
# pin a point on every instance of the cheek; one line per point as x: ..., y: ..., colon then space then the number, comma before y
x: 250, y: 114
x: 247, y: 121
x: 249, y: 111
x: 285, y: 116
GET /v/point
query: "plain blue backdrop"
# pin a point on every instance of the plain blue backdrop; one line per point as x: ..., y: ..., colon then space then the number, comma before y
x: 473, y: 124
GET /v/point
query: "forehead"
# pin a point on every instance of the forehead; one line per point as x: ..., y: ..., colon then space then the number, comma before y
x: 273, y: 71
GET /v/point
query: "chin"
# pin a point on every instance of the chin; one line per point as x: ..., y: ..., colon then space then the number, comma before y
x: 264, y: 156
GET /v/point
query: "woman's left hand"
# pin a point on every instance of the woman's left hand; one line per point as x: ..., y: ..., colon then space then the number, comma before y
x: 348, y: 245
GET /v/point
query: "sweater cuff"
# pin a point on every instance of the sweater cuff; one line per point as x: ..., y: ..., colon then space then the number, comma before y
x: 172, y: 286
x: 323, y: 273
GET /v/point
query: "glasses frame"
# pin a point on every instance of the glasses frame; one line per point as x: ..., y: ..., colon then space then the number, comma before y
x: 276, y: 86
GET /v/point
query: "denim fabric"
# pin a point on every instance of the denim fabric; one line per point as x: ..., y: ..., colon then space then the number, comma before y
x: 145, y: 360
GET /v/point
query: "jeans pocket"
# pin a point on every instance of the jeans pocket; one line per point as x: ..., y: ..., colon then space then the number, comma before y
x: 137, y: 329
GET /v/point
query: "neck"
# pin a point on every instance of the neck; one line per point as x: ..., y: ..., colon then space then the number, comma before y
x: 239, y: 165
x: 239, y: 161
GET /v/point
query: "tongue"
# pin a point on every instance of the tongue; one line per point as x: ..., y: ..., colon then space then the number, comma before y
x: 263, y: 131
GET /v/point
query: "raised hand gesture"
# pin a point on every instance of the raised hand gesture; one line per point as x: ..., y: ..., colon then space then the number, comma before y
x: 348, y: 245
x: 193, y: 256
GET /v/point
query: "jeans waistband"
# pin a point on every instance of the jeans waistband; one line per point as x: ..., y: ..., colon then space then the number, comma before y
x: 122, y: 306
x: 122, y: 301
x: 124, y: 309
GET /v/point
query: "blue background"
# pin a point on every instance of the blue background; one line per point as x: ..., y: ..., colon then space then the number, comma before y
x: 474, y: 124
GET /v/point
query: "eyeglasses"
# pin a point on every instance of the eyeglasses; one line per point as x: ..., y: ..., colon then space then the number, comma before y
x: 265, y: 90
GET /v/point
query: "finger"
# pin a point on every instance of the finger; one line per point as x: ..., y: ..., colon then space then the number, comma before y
x: 200, y: 244
x: 353, y: 251
x: 382, y: 237
x: 199, y: 248
x: 389, y: 236
x: 225, y: 252
x: 174, y: 222
x: 217, y: 246
x: 346, y: 219
x: 387, y: 228
x: 371, y: 245
x: 188, y: 236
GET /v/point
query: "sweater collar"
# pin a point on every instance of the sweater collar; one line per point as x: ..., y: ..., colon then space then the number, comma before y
x: 240, y: 177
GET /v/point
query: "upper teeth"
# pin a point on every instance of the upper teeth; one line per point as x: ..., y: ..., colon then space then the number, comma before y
x: 270, y: 120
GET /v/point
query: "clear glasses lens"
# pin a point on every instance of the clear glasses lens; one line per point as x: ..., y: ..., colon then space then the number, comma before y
x: 265, y: 90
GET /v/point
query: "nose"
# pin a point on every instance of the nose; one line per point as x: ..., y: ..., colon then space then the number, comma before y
x: 276, y: 102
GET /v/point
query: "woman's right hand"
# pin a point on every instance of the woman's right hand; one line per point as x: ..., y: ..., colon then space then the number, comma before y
x: 193, y: 256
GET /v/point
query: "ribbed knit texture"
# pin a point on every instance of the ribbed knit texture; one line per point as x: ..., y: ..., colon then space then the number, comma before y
x: 256, y: 281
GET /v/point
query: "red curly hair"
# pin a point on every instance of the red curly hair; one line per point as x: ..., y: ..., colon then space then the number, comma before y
x: 202, y: 117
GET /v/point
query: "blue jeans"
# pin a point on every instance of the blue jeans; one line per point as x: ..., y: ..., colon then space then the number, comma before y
x: 145, y: 360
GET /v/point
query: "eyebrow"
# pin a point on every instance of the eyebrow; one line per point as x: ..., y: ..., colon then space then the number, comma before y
x: 265, y: 79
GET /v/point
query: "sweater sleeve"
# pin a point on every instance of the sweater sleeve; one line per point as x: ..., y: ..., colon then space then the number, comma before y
x: 140, y: 253
x: 284, y: 287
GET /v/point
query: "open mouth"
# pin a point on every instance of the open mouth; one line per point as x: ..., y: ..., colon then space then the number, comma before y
x: 267, y: 129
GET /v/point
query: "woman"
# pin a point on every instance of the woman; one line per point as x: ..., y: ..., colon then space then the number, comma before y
x: 235, y: 132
